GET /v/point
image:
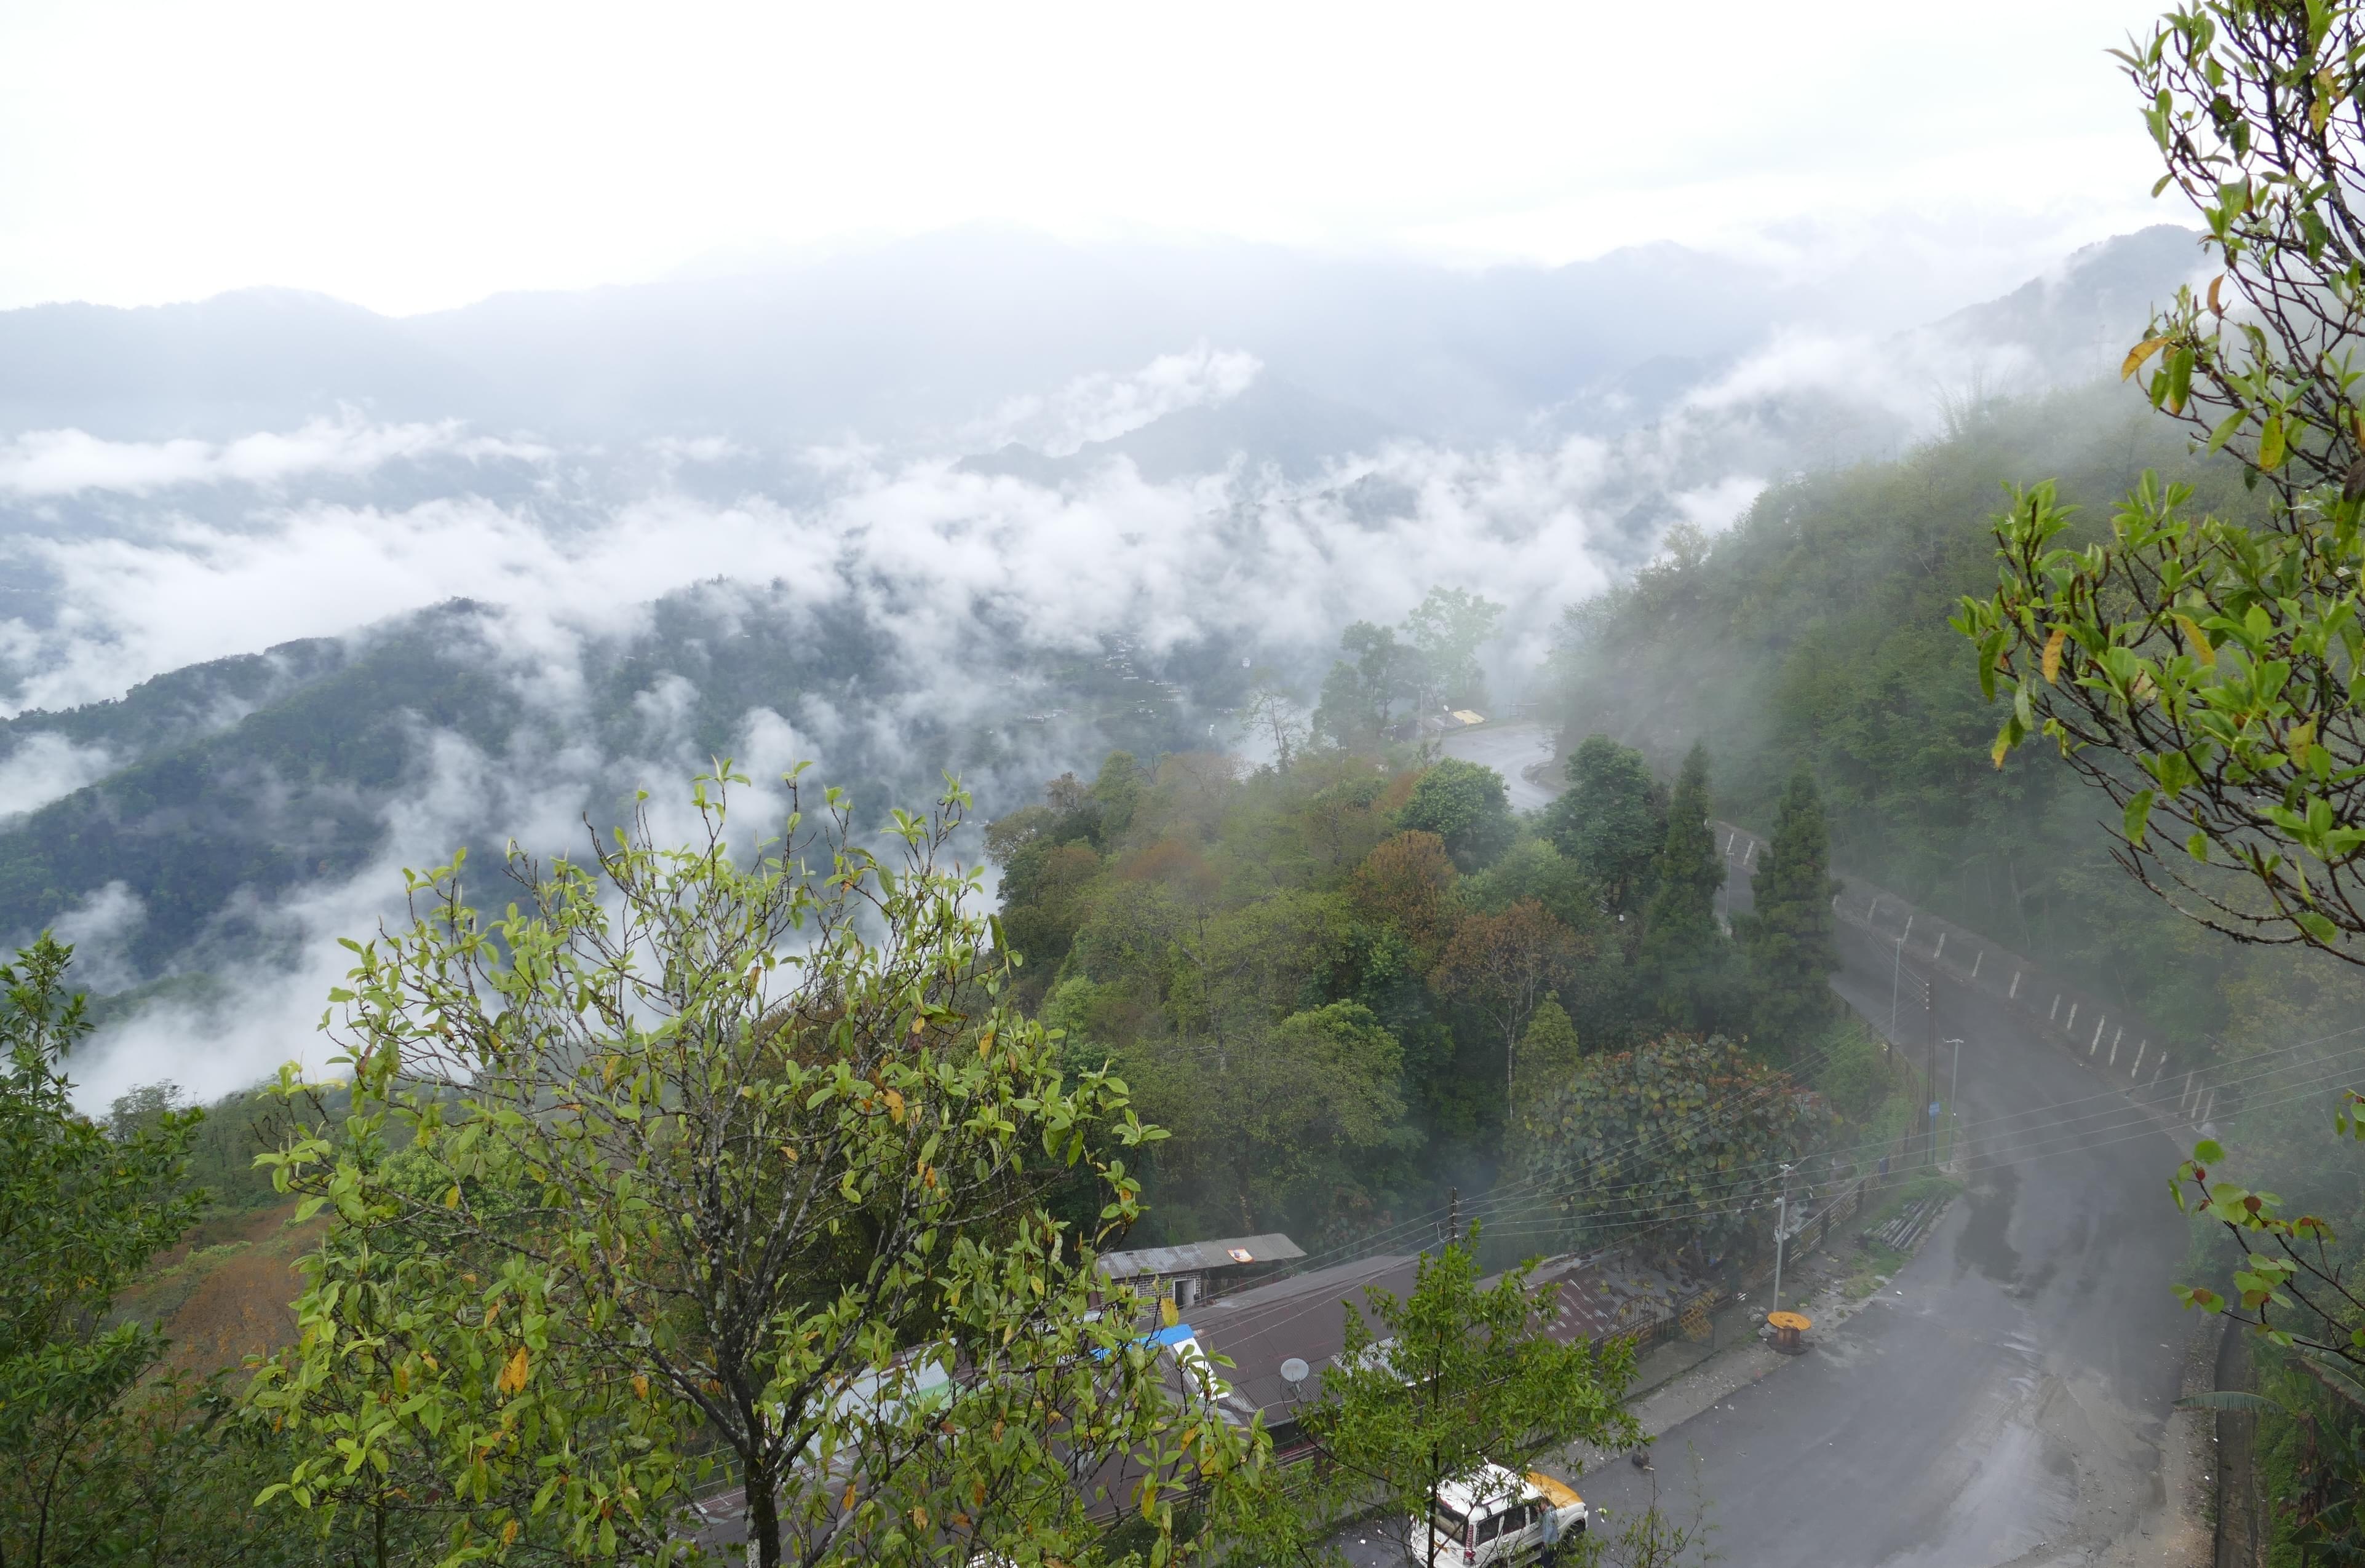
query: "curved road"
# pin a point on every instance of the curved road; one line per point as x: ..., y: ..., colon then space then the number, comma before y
x: 1508, y: 749
x: 2005, y: 1400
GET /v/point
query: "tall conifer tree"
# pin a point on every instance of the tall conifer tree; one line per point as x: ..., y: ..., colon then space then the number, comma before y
x: 1685, y: 957
x: 1789, y: 938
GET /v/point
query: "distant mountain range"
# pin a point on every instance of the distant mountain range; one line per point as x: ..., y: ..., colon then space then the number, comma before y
x: 940, y: 563
x: 917, y: 341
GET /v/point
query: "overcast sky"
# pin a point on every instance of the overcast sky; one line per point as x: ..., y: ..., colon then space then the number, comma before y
x: 419, y: 155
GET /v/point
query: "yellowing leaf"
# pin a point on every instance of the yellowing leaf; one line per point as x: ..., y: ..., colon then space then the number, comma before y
x: 790, y: 1153
x: 509, y: 1533
x: 640, y: 1386
x: 2053, y: 653
x: 452, y: 1198
x: 512, y: 1378
x: 2201, y: 648
x: 2270, y: 443
x: 894, y: 1107
x: 2299, y: 739
x: 1167, y: 1313
x: 2140, y: 352
x: 2214, y: 308
x: 1997, y: 753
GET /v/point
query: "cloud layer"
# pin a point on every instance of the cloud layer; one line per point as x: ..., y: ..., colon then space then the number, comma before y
x: 71, y: 462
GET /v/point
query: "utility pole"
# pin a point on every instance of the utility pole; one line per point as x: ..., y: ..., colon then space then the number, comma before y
x: 1453, y: 1216
x: 1953, y: 1087
x: 1930, y: 1059
x: 1896, y: 973
x: 1781, y: 1236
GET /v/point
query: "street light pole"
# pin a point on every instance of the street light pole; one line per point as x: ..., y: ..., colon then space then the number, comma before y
x: 1953, y: 1087
x: 1896, y: 973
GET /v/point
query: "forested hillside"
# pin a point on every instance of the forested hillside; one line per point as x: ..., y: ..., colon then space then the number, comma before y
x: 1351, y: 980
x: 1815, y: 632
x: 225, y: 789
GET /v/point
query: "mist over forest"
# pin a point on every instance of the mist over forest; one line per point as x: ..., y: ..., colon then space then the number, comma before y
x: 299, y: 595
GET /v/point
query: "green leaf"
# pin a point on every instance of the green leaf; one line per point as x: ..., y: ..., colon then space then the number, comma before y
x: 2339, y: 1382
x: 2270, y: 443
x: 2137, y: 813
x: 2227, y: 1399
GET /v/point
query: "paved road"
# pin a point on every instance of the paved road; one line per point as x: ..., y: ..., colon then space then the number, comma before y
x: 2005, y: 1400
x: 1507, y: 749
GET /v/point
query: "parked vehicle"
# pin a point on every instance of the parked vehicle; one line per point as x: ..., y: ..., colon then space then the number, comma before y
x: 1495, y: 1516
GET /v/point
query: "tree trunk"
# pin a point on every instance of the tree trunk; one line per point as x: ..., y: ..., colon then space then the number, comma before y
x: 764, y: 1516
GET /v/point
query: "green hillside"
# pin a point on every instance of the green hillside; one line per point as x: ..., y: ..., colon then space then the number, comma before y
x: 1815, y: 632
x: 244, y: 779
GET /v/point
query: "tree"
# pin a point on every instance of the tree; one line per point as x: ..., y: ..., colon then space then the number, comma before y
x: 1549, y: 1055
x: 1683, y: 1137
x: 716, y: 1152
x: 1456, y: 1376
x: 1684, y: 954
x: 1361, y: 691
x: 81, y: 1211
x: 1117, y: 789
x: 1656, y: 1537
x: 1318, y: 1095
x: 1467, y: 805
x: 2296, y: 1291
x: 1504, y: 965
x: 1449, y: 626
x: 1273, y: 715
x: 1613, y: 821
x: 1549, y: 1051
x: 1406, y: 883
x: 2199, y: 669
x: 1788, y: 937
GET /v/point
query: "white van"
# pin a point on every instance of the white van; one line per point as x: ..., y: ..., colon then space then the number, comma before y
x: 1495, y: 1516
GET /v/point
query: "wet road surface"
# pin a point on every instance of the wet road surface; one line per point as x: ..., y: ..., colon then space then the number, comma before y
x: 2005, y: 1398
x: 1507, y: 749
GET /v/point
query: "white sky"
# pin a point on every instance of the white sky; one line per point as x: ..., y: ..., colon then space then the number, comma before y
x: 417, y: 155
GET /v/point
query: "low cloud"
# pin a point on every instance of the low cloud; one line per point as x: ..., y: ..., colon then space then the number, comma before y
x: 1104, y: 405
x: 923, y: 548
x: 70, y: 462
x: 43, y: 767
x: 99, y: 929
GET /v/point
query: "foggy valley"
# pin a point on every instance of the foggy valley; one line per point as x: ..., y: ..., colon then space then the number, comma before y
x: 1037, y: 805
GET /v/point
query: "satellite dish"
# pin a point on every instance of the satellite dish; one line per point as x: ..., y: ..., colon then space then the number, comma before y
x: 1293, y: 1371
